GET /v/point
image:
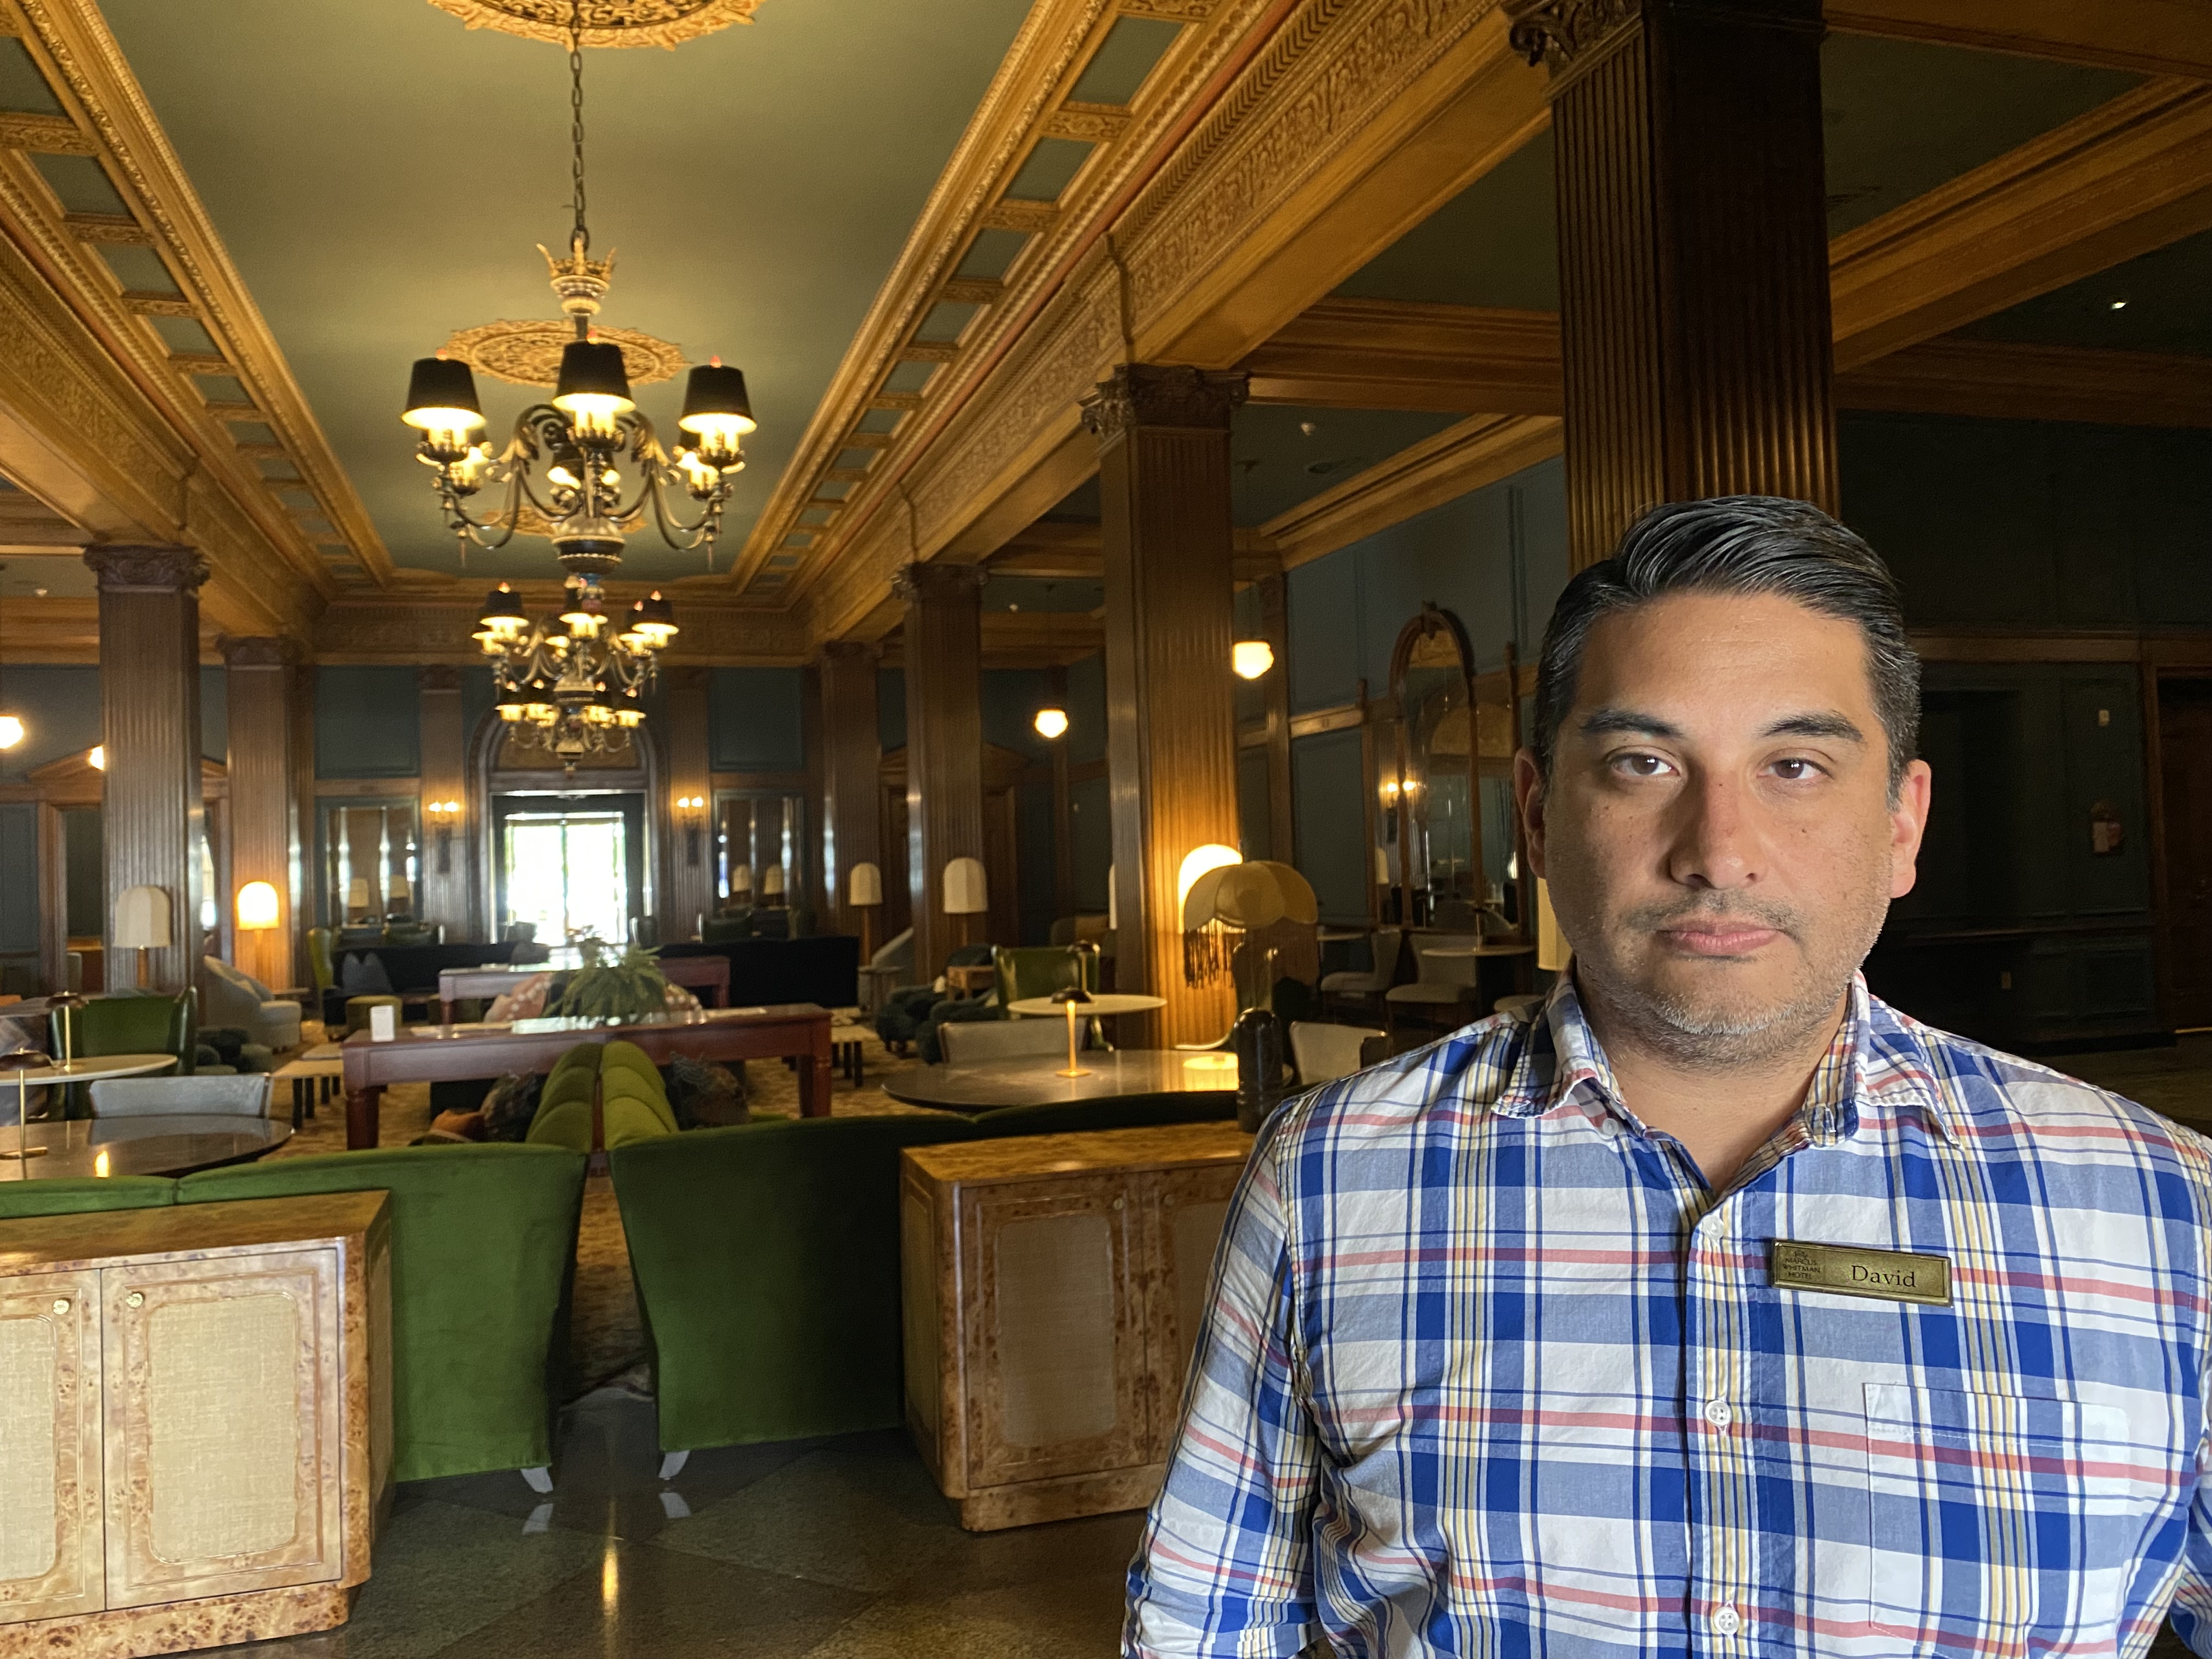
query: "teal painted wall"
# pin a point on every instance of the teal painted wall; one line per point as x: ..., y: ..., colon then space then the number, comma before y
x: 19, y: 898
x: 755, y: 721
x: 368, y: 723
x: 890, y: 709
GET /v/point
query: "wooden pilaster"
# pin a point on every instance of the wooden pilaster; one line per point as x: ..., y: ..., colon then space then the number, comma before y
x: 1693, y: 253
x: 943, y: 748
x: 1163, y: 438
x: 852, y: 777
x: 150, y: 695
x: 262, y: 680
x: 686, y: 887
x: 1275, y: 628
x: 447, y: 892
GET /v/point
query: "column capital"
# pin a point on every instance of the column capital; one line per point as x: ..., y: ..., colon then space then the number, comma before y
x: 1559, y: 33
x: 149, y: 569
x: 261, y: 651
x: 925, y: 584
x: 1159, y: 394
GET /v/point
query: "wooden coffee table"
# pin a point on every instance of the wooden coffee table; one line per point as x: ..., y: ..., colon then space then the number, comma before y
x: 438, y: 1053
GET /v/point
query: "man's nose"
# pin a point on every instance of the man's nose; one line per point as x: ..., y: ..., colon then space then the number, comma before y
x: 1716, y: 840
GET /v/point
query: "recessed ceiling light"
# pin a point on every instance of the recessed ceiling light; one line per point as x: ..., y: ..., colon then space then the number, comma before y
x: 2120, y: 304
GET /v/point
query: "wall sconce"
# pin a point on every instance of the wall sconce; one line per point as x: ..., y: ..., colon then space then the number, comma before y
x: 96, y: 756
x: 443, y: 814
x: 1251, y: 657
x: 690, y: 812
x: 1051, y: 722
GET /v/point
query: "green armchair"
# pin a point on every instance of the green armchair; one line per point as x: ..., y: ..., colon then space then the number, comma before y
x: 124, y: 1024
x: 483, y: 1238
x: 1041, y: 970
x: 767, y: 1260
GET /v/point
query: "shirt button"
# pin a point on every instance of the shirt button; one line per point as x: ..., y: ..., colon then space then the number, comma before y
x: 1718, y: 1414
x: 1727, y: 1621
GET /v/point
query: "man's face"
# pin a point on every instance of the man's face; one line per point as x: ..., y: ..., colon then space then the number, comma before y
x: 1717, y: 830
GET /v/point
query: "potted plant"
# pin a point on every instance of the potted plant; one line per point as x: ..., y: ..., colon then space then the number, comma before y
x: 628, y: 988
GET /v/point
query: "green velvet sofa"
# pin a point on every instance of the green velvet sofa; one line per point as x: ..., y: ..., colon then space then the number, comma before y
x: 767, y: 1261
x: 84, y: 1194
x: 484, y: 1240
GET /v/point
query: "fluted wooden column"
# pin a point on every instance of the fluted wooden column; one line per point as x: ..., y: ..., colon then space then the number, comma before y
x: 852, y: 784
x: 149, y: 696
x: 943, y: 635
x: 686, y: 887
x: 1693, y: 253
x: 448, y: 890
x: 262, y: 680
x: 1275, y: 628
x: 1170, y: 709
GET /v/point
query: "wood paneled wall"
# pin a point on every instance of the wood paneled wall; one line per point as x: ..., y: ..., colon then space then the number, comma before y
x: 1170, y: 714
x: 851, y: 830
x: 149, y: 693
x: 448, y: 889
x: 686, y: 888
x: 262, y: 682
x: 1693, y: 257
x: 944, y: 648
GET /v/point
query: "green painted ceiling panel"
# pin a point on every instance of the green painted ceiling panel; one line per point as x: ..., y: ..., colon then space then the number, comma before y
x: 21, y: 87
x: 80, y: 184
x: 139, y: 267
x: 183, y: 333
x: 909, y: 377
x: 381, y: 175
x: 1120, y: 65
x: 2153, y: 303
x: 1491, y: 245
x: 1276, y: 462
x: 991, y: 253
x: 944, y: 321
x: 1049, y: 169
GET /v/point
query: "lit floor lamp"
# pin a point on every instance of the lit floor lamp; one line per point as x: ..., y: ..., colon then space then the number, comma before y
x: 967, y: 893
x: 142, y: 924
x: 256, y: 914
x: 864, y: 891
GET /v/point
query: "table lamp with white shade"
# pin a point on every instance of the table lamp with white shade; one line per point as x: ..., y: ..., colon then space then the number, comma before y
x: 741, y: 883
x: 864, y: 891
x: 142, y: 923
x: 356, y: 897
x: 967, y: 892
x: 771, y: 886
x: 257, y: 909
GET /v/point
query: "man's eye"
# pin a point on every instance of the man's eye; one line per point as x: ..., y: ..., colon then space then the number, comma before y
x: 1794, y: 770
x: 1640, y: 766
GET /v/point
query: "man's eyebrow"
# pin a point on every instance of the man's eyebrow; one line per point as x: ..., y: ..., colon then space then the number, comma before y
x: 1831, y: 725
x: 1613, y: 722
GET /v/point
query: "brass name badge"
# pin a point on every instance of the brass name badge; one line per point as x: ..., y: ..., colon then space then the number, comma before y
x: 1852, y: 1270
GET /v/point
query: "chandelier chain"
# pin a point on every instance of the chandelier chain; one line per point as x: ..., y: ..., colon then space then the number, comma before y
x: 582, y: 235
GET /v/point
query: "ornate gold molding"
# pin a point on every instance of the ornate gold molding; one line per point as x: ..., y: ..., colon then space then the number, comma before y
x: 667, y: 24
x: 1155, y: 394
x: 147, y: 570
x: 529, y: 353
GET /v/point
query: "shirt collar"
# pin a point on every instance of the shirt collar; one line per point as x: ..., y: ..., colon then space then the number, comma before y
x: 1876, y: 1056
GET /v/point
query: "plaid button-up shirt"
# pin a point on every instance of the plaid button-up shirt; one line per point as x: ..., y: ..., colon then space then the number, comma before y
x: 1491, y: 1370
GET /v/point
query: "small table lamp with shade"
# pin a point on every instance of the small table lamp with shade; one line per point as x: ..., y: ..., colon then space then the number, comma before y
x: 967, y: 893
x: 864, y: 891
x: 772, y: 887
x: 142, y: 924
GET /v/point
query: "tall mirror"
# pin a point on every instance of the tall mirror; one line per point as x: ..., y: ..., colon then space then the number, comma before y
x: 1439, y: 868
x: 371, y: 865
x: 760, y: 835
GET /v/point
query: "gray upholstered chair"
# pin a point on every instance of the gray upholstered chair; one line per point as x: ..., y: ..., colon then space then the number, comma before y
x: 1368, y: 985
x: 245, y: 1094
x: 237, y: 999
x: 976, y: 1043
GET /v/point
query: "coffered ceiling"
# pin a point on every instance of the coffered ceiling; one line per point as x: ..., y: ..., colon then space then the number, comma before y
x: 381, y: 173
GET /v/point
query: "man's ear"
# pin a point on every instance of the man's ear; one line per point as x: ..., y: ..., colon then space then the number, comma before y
x: 1528, y: 801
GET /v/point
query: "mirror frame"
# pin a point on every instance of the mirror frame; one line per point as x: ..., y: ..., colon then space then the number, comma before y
x: 1431, y: 621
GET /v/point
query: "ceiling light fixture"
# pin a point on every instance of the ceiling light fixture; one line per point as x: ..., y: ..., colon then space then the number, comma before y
x: 591, y: 423
x: 2120, y: 304
x: 568, y: 684
x: 1251, y: 657
x: 1051, y: 721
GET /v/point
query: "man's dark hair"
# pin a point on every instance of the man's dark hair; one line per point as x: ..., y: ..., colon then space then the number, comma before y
x: 1741, y: 544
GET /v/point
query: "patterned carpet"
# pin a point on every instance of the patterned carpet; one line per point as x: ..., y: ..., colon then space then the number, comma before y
x: 606, y: 1341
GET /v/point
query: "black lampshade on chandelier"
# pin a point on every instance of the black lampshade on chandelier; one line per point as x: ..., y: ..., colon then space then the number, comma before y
x: 571, y: 683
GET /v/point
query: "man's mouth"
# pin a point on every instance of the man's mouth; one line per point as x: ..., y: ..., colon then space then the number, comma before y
x: 1718, y: 939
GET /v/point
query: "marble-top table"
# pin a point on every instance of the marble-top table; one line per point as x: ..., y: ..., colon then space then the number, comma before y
x: 168, y: 1144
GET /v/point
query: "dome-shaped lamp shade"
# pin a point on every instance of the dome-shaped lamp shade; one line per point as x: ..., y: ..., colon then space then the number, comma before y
x: 1199, y: 859
x: 594, y: 387
x: 967, y: 893
x: 441, y: 397
x: 1251, y: 657
x: 11, y: 731
x: 257, y: 905
x: 142, y: 920
x: 1051, y: 722
x: 771, y: 881
x: 741, y: 879
x: 715, y: 408
x: 866, y: 885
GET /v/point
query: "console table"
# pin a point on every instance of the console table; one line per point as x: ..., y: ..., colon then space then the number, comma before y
x: 203, y: 1399
x: 708, y: 978
x: 441, y: 1054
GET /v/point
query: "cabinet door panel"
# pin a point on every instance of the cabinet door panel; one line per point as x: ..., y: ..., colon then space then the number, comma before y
x: 50, y: 1470
x: 1184, y: 1210
x: 1056, y: 1347
x: 222, y: 1433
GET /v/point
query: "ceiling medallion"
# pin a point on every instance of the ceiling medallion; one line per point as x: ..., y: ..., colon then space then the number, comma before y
x: 529, y: 353
x: 605, y: 22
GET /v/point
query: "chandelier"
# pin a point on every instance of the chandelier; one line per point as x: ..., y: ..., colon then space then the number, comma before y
x: 590, y: 426
x: 569, y: 684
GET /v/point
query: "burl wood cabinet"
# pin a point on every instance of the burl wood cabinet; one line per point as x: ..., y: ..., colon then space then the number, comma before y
x: 1053, y: 1291
x: 195, y: 1422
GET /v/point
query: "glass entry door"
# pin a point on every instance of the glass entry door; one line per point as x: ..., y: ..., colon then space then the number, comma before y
x: 570, y: 865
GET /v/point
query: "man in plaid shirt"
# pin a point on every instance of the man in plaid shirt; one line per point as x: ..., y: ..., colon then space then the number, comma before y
x: 1718, y: 1307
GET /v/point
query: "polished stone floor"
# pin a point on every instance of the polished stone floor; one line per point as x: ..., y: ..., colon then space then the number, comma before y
x: 822, y: 1549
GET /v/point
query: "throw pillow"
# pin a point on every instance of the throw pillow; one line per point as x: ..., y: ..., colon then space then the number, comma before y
x: 364, y: 976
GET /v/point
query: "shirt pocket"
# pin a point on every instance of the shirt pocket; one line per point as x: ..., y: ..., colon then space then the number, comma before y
x: 2005, y: 1516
